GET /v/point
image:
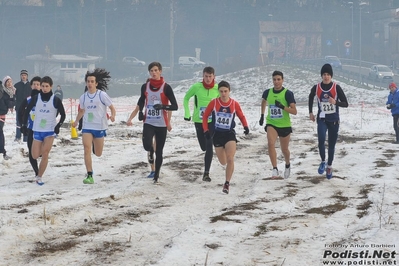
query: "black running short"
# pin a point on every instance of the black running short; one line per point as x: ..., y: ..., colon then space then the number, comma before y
x: 221, y: 138
x: 281, y: 131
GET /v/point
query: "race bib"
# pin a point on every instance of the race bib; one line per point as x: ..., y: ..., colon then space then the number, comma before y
x: 90, y: 117
x: 152, y: 113
x: 275, y: 112
x: 43, y: 123
x: 201, y: 113
x: 328, y: 108
x: 223, y: 120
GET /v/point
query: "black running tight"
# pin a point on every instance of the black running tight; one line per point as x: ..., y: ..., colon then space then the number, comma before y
x: 205, y: 144
x: 149, y: 132
x: 2, y: 140
x: 32, y: 161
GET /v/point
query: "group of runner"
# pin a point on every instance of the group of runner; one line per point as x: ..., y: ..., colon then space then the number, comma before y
x: 213, y: 116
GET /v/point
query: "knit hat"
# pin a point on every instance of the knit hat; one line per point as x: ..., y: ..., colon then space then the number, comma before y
x: 392, y: 85
x: 23, y: 71
x: 5, y: 79
x: 327, y: 68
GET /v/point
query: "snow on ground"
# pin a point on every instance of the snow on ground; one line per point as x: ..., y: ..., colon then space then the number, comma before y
x: 124, y: 219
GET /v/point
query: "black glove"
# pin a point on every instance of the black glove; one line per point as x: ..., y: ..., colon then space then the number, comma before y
x: 279, y: 105
x: 57, y: 128
x: 390, y: 106
x: 207, y: 134
x: 246, y: 130
x: 141, y: 116
x: 159, y: 106
x: 187, y: 118
x: 24, y: 130
x: 262, y: 119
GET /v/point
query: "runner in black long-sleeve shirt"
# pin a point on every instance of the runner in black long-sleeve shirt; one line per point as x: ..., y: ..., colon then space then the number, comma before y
x: 330, y: 97
x: 156, y: 94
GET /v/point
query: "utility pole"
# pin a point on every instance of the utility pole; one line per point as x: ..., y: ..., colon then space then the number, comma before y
x: 172, y: 40
x: 351, y: 3
x: 105, y: 36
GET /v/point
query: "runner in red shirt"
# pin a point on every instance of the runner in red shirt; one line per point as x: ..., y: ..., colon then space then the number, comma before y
x: 223, y: 111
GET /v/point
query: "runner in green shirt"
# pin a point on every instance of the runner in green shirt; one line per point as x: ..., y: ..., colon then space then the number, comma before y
x: 281, y: 103
x: 203, y: 92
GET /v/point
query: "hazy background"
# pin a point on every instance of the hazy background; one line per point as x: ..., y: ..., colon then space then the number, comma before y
x: 226, y: 31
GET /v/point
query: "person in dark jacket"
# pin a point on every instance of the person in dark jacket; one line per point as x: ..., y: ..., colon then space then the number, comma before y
x: 6, y: 103
x: 393, y: 105
x: 23, y: 91
x: 59, y: 93
x: 35, y: 84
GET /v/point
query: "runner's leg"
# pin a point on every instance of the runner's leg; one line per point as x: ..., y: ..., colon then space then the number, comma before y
x: 271, y: 145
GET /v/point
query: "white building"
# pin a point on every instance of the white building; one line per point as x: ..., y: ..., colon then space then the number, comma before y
x: 63, y: 68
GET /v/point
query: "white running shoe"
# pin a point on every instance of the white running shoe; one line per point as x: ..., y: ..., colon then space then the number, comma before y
x: 287, y: 172
x: 275, y: 173
x: 39, y: 181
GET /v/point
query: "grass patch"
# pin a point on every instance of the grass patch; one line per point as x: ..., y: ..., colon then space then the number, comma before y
x: 328, y: 209
x: 365, y: 190
x: 338, y: 195
x: 130, y: 168
x: 390, y: 154
x: 363, y: 208
x: 42, y: 249
x: 311, y: 179
x: 224, y: 217
x: 381, y: 163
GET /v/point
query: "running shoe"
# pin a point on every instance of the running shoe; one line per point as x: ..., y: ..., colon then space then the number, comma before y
x: 6, y: 157
x: 88, y: 180
x: 151, y: 175
x: 329, y: 172
x: 287, y: 172
x: 206, y: 177
x: 156, y: 179
x: 322, y: 168
x: 39, y: 181
x: 226, y: 188
x: 275, y: 173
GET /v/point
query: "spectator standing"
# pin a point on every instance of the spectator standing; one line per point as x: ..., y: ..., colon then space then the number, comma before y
x: 23, y: 91
x: 7, y: 100
x: 59, y: 93
x: 393, y: 105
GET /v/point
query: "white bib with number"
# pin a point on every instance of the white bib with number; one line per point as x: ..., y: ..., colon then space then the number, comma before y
x: 223, y: 120
x: 275, y: 112
x: 327, y: 108
x: 201, y: 113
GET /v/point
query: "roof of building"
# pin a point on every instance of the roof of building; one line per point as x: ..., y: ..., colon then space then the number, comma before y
x: 64, y: 58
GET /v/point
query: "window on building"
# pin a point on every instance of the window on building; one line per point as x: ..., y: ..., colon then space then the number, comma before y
x: 63, y: 65
x: 84, y: 65
x: 273, y: 41
x: 70, y: 65
x: 308, y: 41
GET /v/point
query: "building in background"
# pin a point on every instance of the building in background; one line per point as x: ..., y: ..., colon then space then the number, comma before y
x: 290, y: 39
x: 63, y: 68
